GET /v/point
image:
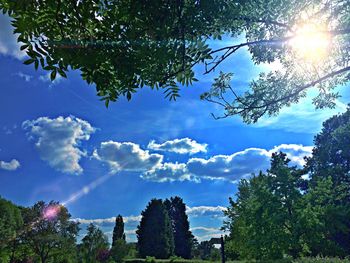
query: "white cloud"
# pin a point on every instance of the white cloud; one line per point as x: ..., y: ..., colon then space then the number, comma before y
x: 295, y: 152
x: 26, y: 77
x: 58, y: 140
x: 169, y: 172
x: 205, y: 229
x: 206, y: 233
x: 195, y: 211
x: 181, y: 146
x: 47, y: 78
x: 202, y: 232
x: 231, y: 168
x: 212, y: 211
x: 127, y: 156
x: 8, y: 40
x: 10, y: 166
x: 109, y: 220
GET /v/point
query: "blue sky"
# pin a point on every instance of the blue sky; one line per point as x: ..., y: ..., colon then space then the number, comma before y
x: 59, y: 142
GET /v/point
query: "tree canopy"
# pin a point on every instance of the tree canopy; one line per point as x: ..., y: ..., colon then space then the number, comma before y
x: 122, y: 46
x: 292, y: 211
x: 94, y: 245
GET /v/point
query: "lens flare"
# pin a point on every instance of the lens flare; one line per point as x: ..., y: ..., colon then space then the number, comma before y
x: 311, y: 42
x: 86, y: 189
x: 51, y: 212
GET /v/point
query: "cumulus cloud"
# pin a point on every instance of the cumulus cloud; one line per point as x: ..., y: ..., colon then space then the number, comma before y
x: 169, y: 172
x: 127, y: 156
x: 58, y: 140
x: 212, y: 211
x: 181, y: 146
x: 231, y: 168
x: 295, y: 152
x: 10, y: 166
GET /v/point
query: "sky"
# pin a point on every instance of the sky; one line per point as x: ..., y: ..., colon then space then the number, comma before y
x: 59, y: 142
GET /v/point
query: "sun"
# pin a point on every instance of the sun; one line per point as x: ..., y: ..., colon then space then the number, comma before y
x: 311, y: 42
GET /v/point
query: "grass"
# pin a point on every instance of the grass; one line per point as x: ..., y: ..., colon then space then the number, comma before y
x: 301, y: 260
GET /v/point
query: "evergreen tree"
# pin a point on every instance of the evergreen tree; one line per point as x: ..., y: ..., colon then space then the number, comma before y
x: 119, y: 247
x: 154, y: 233
x: 118, y: 231
x: 181, y: 227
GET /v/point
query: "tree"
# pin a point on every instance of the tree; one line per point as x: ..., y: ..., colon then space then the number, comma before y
x: 331, y: 158
x: 324, y: 221
x: 205, y: 249
x: 331, y: 154
x: 181, y: 227
x: 49, y: 231
x: 263, y: 221
x: 125, y: 45
x: 11, y: 223
x: 94, y: 245
x: 118, y: 231
x: 119, y: 250
x: 154, y: 233
x: 119, y: 247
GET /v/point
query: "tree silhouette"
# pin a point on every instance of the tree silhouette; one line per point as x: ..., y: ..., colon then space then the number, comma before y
x: 181, y: 227
x: 154, y: 233
x: 118, y: 231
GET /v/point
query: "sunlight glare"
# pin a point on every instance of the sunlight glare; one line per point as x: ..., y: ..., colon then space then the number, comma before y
x: 311, y: 42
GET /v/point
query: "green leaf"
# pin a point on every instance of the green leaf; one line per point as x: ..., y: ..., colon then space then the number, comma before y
x: 62, y: 73
x: 53, y: 75
x: 24, y: 47
x: 29, y: 61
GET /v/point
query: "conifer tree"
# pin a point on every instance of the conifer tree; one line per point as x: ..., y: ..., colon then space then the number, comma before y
x: 118, y: 231
x: 154, y: 234
x: 181, y: 227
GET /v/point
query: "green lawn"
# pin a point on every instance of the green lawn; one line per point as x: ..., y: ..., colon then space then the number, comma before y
x: 301, y: 260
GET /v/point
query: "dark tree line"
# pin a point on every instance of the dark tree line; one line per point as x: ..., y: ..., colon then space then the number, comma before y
x: 164, y: 230
x: 297, y: 212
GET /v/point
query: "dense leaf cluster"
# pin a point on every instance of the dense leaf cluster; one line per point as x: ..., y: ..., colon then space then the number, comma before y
x: 121, y: 46
x: 284, y: 213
